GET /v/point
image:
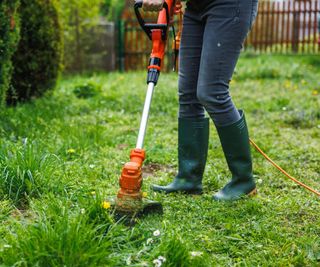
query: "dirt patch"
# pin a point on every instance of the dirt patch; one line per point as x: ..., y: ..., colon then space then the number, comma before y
x: 122, y: 146
x: 151, y: 169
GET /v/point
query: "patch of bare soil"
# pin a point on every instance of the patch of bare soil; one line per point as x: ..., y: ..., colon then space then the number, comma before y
x: 151, y: 169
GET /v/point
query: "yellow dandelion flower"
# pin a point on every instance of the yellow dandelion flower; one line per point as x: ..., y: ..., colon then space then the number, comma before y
x: 315, y: 92
x: 106, y: 205
x: 71, y: 151
x: 144, y: 194
x: 287, y: 84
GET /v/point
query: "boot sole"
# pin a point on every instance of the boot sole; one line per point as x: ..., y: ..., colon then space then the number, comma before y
x: 187, y: 192
x: 193, y: 192
x: 252, y: 193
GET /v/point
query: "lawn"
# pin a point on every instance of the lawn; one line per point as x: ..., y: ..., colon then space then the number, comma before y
x: 61, y: 156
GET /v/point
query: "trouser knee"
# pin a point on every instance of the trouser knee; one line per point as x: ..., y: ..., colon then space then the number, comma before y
x: 215, y: 101
x: 218, y: 104
x: 190, y: 107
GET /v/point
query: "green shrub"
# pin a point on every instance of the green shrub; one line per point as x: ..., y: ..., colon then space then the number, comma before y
x: 87, y: 90
x: 37, y: 60
x: 9, y: 36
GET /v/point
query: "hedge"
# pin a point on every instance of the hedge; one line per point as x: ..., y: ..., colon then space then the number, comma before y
x: 37, y: 61
x: 9, y: 37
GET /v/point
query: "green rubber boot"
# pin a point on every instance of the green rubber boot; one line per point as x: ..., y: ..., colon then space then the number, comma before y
x: 235, y: 143
x: 193, y: 139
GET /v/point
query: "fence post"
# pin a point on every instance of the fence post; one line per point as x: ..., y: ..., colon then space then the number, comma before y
x: 79, y: 51
x: 296, y: 30
x: 121, y: 48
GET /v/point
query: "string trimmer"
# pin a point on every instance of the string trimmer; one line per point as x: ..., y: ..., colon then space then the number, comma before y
x: 129, y: 200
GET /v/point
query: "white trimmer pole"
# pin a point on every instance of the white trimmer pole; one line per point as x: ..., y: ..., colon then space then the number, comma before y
x: 145, y: 115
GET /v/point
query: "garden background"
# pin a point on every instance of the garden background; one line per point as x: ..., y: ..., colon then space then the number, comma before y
x: 72, y: 87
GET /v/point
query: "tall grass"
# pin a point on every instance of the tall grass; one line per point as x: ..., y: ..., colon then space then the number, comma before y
x: 26, y: 172
x: 61, y: 235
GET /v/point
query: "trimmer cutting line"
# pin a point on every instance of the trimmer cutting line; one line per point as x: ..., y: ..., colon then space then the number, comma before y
x: 129, y: 201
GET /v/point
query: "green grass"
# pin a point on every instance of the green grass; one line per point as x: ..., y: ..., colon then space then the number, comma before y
x: 61, y: 156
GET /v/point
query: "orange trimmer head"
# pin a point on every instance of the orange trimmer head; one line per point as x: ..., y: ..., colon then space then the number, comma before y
x: 129, y: 202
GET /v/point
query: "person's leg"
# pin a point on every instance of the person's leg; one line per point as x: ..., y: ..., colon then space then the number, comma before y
x: 193, y: 130
x: 227, y: 24
x: 189, y: 62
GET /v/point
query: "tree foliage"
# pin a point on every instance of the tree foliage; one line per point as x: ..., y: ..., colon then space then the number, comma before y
x: 78, y: 16
x: 37, y: 60
x: 9, y: 37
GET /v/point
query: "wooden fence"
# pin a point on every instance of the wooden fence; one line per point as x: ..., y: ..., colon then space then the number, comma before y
x: 281, y: 27
x: 286, y: 27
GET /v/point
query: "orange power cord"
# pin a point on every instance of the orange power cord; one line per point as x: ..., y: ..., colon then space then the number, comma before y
x: 282, y: 170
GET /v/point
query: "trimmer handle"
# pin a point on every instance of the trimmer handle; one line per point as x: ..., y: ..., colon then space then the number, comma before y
x: 148, y: 27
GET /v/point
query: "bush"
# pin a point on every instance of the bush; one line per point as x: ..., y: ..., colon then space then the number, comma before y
x: 9, y: 36
x: 87, y: 90
x: 37, y: 60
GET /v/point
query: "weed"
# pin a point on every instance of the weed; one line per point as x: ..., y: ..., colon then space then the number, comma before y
x: 87, y: 90
x: 25, y: 171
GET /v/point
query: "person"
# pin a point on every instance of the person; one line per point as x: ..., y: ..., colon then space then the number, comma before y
x: 212, y: 38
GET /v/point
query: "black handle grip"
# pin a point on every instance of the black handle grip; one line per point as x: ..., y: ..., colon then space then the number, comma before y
x: 148, y: 27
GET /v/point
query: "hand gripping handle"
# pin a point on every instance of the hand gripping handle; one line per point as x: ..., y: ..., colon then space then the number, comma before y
x: 148, y: 27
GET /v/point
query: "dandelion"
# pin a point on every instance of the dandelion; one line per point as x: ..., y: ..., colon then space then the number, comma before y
x: 161, y: 258
x: 106, y: 205
x: 196, y: 253
x: 156, y: 233
x: 287, y: 84
x: 71, y: 151
x: 315, y: 92
x: 149, y: 241
x: 157, y: 263
x: 144, y: 194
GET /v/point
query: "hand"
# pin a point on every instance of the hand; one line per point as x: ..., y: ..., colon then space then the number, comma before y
x: 152, y: 5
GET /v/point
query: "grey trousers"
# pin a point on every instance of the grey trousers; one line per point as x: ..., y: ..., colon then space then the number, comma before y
x: 212, y: 38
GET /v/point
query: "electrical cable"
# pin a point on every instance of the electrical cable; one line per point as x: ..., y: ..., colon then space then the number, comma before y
x: 282, y: 170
